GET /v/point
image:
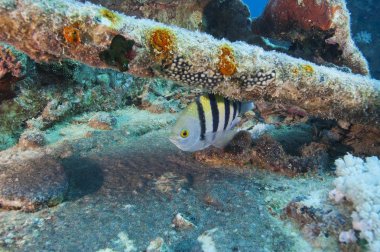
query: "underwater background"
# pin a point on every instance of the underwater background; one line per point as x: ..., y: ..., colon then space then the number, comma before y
x: 92, y: 100
x: 256, y: 7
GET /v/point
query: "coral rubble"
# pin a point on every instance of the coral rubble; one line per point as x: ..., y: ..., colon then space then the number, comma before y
x: 319, y: 90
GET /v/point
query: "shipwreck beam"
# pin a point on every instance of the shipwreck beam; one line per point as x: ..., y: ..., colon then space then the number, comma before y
x: 50, y: 30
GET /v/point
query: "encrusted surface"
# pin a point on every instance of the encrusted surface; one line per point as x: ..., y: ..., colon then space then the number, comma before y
x: 321, y: 91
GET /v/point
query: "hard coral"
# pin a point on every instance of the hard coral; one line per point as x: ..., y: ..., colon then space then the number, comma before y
x: 162, y: 43
x: 227, y: 64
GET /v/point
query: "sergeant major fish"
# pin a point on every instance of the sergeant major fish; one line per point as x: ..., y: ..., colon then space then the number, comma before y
x: 207, y: 121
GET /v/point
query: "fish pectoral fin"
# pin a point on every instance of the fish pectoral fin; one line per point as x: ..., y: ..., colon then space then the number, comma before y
x: 221, y: 139
x: 235, y: 122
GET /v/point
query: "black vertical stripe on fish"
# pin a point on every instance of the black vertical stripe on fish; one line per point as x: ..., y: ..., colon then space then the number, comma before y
x: 215, y: 112
x: 235, y: 110
x: 239, y: 104
x: 202, y: 119
x: 226, y: 113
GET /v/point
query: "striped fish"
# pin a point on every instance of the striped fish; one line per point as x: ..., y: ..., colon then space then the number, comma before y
x: 209, y: 120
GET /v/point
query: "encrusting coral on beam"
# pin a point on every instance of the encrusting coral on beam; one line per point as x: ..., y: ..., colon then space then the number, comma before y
x: 188, y: 14
x: 54, y: 30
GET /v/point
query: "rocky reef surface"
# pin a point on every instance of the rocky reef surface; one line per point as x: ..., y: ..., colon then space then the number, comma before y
x: 85, y: 163
x: 124, y: 186
x: 127, y: 185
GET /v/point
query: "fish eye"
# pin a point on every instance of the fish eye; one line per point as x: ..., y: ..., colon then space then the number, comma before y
x: 184, y: 133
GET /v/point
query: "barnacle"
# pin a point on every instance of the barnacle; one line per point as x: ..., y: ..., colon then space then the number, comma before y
x: 162, y: 43
x: 72, y: 34
x: 227, y: 64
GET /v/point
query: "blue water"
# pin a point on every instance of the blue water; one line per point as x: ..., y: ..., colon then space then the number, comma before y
x: 256, y: 6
